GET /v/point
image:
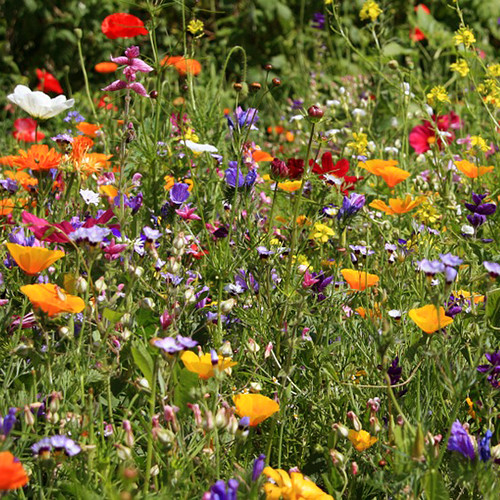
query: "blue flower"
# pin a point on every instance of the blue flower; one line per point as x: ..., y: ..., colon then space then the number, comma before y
x: 258, y: 466
x: 351, y: 205
x: 219, y: 491
x: 461, y: 441
x: 8, y: 422
x: 484, y: 447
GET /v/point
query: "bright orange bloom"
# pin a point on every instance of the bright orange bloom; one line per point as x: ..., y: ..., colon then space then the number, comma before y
x: 6, y: 206
x: 52, y: 300
x: 361, y: 439
x: 386, y: 169
x: 290, y: 186
x: 255, y: 406
x: 9, y: 160
x: 88, y: 128
x: 203, y: 366
x: 85, y: 162
x: 12, y: 473
x: 183, y: 66
x: 470, y: 170
x: 259, y: 155
x: 429, y: 318
x: 106, y: 67
x: 27, y: 182
x: 33, y: 260
x: 397, y: 206
x: 293, y: 486
x: 38, y: 157
x: 359, y: 280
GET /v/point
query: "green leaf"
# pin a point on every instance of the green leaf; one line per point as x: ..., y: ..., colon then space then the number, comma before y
x: 183, y: 390
x: 112, y: 316
x: 434, y: 486
x: 493, y: 307
x: 144, y: 362
x: 393, y: 49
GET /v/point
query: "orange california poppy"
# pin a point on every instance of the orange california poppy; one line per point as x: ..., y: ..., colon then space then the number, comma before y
x: 38, y: 157
x: 52, y: 299
x: 290, y: 186
x: 397, y: 206
x: 182, y: 65
x: 106, y: 67
x: 12, y: 473
x: 88, y: 128
x: 359, y: 280
x: 255, y: 406
x: 33, y: 260
x: 386, y: 169
x: 6, y: 206
x: 259, y: 155
x: 361, y: 439
x: 203, y: 366
x: 9, y: 160
x: 429, y: 318
x: 470, y: 170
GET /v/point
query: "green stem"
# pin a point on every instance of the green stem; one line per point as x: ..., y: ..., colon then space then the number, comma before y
x: 149, y: 453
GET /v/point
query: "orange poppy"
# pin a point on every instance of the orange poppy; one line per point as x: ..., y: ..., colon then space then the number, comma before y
x: 429, y: 318
x: 33, y: 260
x: 85, y: 162
x: 255, y: 406
x: 9, y: 160
x: 259, y: 155
x: 38, y: 157
x: 106, y: 67
x: 88, y: 128
x: 52, y: 299
x: 290, y: 186
x: 397, y: 206
x: 470, y: 170
x: 359, y: 280
x: 12, y: 473
x: 183, y: 66
x: 386, y: 169
x: 361, y: 440
x: 203, y: 366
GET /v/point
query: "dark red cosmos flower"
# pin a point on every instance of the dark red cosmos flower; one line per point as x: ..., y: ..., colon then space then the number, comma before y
x: 327, y: 167
x: 423, y: 136
x: 122, y: 25
x: 24, y: 130
x: 295, y: 168
x: 47, y: 82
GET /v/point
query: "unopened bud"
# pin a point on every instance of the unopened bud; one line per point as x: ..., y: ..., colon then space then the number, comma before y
x: 393, y: 64
x: 268, y: 67
x: 226, y: 349
x: 123, y: 452
x: 354, y: 469
x: 279, y: 169
x: 227, y: 305
x: 238, y: 87
x: 337, y: 457
x: 153, y: 94
x: 255, y: 86
x: 276, y: 82
x: 355, y: 420
x: 28, y: 417
x: 315, y: 112
x: 341, y: 430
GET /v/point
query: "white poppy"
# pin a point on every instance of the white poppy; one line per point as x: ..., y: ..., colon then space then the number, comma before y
x: 38, y: 104
x: 199, y: 148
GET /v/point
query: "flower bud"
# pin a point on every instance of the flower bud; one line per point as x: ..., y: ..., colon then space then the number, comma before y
x: 276, y: 82
x: 354, y: 468
x: 315, y: 112
x: 255, y: 86
x: 227, y: 305
x: 123, y: 452
x: 337, y: 457
x: 238, y: 87
x: 153, y: 94
x: 341, y: 430
x: 279, y: 169
x: 268, y: 67
x: 226, y: 349
x: 28, y: 416
x: 355, y: 420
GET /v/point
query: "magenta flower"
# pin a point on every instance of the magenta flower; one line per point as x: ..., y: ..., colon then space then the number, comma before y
x: 187, y: 213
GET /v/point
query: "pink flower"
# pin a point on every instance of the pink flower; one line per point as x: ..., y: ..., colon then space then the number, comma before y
x: 132, y: 61
x: 187, y: 213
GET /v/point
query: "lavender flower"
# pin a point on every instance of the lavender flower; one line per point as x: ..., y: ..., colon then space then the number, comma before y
x: 8, y: 422
x: 318, y: 21
x: 219, y: 491
x: 430, y: 267
x: 493, y: 268
x: 493, y: 369
x: 179, y: 193
x: 461, y: 441
x: 351, y: 205
x: 173, y: 346
x: 64, y: 443
x: 258, y: 466
x: 92, y: 235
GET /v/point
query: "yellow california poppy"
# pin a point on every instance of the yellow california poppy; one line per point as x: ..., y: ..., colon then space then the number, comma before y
x: 430, y: 319
x: 33, y: 260
x: 203, y: 366
x: 361, y: 440
x: 255, y: 406
x: 470, y: 170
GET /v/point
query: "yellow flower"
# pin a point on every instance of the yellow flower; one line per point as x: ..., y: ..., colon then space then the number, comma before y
x: 464, y: 36
x: 479, y: 142
x: 460, y: 67
x: 293, y: 486
x: 33, y: 260
x: 321, y: 233
x: 494, y: 70
x: 465, y: 295
x: 470, y: 411
x: 437, y: 93
x: 203, y: 365
x: 370, y: 10
x: 361, y: 439
x: 255, y: 406
x: 427, y: 214
x: 429, y: 318
x: 290, y: 186
x: 359, y: 144
x: 196, y: 28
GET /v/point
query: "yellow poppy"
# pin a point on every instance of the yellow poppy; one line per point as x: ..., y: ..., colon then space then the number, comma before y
x: 255, y: 406
x: 470, y: 170
x: 33, y: 260
x: 359, y: 280
x: 429, y: 318
x: 361, y: 440
x: 52, y: 299
x: 203, y: 366
x: 464, y: 294
x: 290, y: 186
x: 293, y: 486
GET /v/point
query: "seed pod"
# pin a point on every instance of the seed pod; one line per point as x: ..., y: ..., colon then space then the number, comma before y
x: 255, y: 86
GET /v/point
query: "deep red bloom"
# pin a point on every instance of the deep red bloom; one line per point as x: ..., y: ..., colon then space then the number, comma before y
x: 349, y: 184
x: 423, y: 136
x: 24, y: 130
x: 295, y: 168
x: 196, y: 251
x: 123, y: 25
x: 423, y: 7
x: 327, y: 167
x: 47, y: 82
x: 416, y: 35
x: 104, y: 102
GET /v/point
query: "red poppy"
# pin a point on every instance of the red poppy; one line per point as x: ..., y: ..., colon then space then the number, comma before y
x: 196, y: 251
x: 416, y: 35
x: 24, y: 130
x: 123, y: 25
x: 423, y: 136
x: 104, y: 102
x: 295, y: 168
x: 48, y: 82
x: 422, y: 7
x: 349, y: 184
x: 327, y: 167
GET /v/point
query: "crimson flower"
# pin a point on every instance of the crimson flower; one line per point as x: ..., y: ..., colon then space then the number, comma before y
x: 121, y: 25
x: 47, y: 82
x: 295, y: 168
x: 24, y: 130
x: 340, y: 168
x: 422, y: 137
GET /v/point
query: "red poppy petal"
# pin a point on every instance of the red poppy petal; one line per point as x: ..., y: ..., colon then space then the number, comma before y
x: 121, y: 25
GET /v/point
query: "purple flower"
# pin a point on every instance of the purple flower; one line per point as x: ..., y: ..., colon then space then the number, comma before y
x: 64, y: 443
x: 484, y: 447
x: 493, y: 268
x: 151, y: 234
x: 493, y: 369
x: 351, y: 205
x: 9, y: 185
x: 19, y: 237
x: 179, y: 193
x: 42, y: 447
x: 172, y: 346
x: 479, y: 210
x: 461, y: 441
x: 450, y: 273
x: 131, y: 60
x: 92, y: 235
x: 219, y: 491
x: 264, y: 252
x: 246, y: 280
x: 234, y: 176
x: 258, y: 466
x: 244, y: 119
x: 8, y: 422
x: 394, y: 371
x: 450, y: 260
x: 318, y: 21
x: 430, y: 267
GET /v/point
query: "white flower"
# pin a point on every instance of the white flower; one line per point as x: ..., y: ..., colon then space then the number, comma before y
x: 296, y: 118
x: 199, y: 148
x: 38, y: 104
x: 90, y: 197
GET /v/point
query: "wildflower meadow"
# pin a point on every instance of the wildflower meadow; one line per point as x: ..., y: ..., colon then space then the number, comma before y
x: 250, y: 249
